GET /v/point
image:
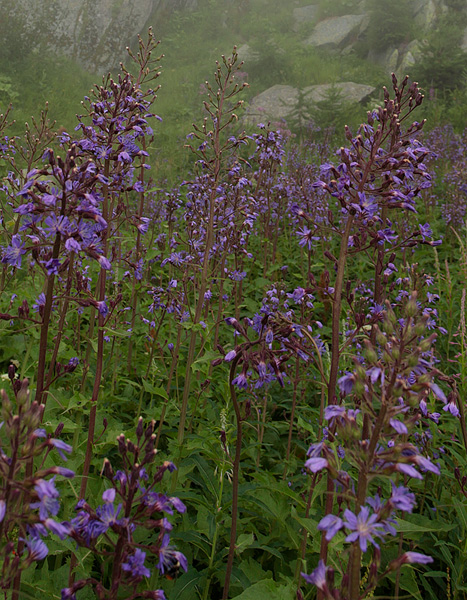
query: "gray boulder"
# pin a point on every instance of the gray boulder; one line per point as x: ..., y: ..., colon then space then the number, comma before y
x: 304, y: 14
x: 246, y: 54
x: 464, y: 41
x: 349, y: 91
x: 274, y: 104
x: 424, y: 12
x: 278, y: 102
x: 335, y: 31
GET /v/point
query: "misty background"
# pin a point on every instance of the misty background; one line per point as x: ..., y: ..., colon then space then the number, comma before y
x: 310, y: 66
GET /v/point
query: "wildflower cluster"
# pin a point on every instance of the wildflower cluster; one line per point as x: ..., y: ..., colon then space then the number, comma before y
x: 115, y: 527
x: 29, y: 498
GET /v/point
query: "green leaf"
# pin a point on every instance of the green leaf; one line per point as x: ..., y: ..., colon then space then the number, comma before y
x: 461, y: 510
x: 422, y: 526
x: 267, y: 589
x: 185, y: 585
x: 152, y: 389
x: 205, y: 471
x: 196, y: 539
x: 407, y: 582
x: 435, y: 574
x: 244, y: 541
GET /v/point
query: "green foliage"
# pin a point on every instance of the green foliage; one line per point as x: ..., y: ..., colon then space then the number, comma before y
x: 390, y: 24
x: 443, y: 62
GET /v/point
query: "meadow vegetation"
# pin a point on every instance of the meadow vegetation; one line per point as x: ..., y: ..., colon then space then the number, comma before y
x: 234, y: 361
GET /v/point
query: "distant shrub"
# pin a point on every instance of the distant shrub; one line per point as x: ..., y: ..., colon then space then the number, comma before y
x: 443, y: 61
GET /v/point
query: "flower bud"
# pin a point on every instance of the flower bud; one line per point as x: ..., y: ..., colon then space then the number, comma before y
x: 23, y: 394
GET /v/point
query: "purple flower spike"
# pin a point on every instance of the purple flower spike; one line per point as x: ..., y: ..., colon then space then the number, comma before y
x: 2, y: 510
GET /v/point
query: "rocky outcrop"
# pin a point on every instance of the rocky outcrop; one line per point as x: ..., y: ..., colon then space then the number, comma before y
x: 279, y: 102
x: 335, y: 31
x: 304, y: 14
x: 93, y: 32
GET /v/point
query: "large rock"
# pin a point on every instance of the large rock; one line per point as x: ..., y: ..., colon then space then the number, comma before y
x: 424, y: 12
x: 278, y: 102
x: 464, y: 41
x: 335, y: 31
x: 273, y: 104
x: 93, y: 32
x: 348, y: 90
x: 246, y: 54
x: 304, y: 14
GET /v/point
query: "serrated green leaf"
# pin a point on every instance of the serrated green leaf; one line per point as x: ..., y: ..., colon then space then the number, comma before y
x: 152, y: 389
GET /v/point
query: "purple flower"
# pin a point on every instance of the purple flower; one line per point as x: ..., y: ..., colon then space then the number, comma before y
x: 2, y: 510
x: 230, y: 355
x: 61, y: 447
x: 170, y: 558
x: 72, y: 245
x: 402, y: 498
x: 40, y: 303
x: 12, y: 254
x: 452, y: 408
x: 363, y: 527
x: 68, y: 473
x: 109, y: 495
x: 104, y: 263
x: 398, y: 426
x: 416, y: 557
x: 60, y: 529
x: 135, y: 565
x: 52, y: 266
x: 48, y: 494
x: 317, y: 577
x: 408, y: 470
x: 306, y: 237
x: 102, y: 308
x: 37, y: 549
x: 316, y: 464
x: 346, y: 383
x: 333, y: 411
x: 331, y: 525
x: 177, y: 504
x: 438, y: 392
x: 241, y: 381
x: 426, y: 464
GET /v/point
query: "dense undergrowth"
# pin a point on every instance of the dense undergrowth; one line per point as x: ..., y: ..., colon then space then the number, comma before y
x: 283, y: 326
